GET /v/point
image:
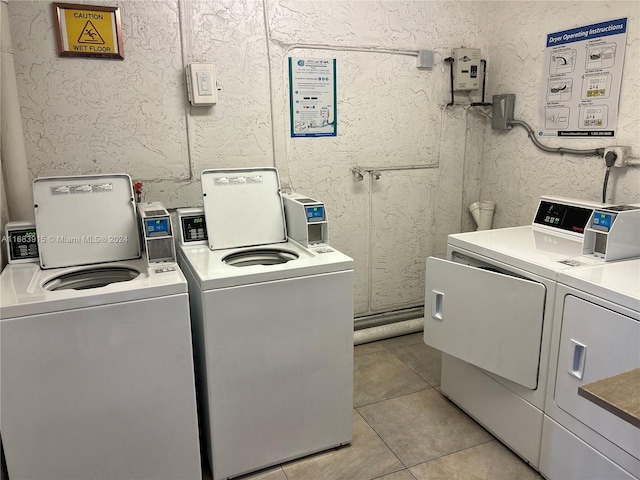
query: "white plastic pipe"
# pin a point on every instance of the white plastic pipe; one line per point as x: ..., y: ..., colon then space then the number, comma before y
x: 381, y: 332
x: 17, y: 184
x: 482, y: 213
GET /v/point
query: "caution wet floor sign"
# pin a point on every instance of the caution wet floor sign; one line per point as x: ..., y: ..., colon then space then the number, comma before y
x: 88, y: 32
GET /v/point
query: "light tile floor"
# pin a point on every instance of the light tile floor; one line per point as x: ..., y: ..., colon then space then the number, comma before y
x: 403, y: 428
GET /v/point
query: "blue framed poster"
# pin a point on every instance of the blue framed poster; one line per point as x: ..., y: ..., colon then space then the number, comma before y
x: 313, y: 97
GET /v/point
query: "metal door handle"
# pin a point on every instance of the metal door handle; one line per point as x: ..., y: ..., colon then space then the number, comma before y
x: 577, y: 362
x: 437, y: 305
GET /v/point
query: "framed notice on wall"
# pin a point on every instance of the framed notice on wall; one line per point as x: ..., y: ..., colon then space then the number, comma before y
x: 312, y: 97
x: 582, y: 77
x: 88, y: 31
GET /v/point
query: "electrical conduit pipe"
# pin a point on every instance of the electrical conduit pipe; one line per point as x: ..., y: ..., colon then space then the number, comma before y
x: 18, y: 188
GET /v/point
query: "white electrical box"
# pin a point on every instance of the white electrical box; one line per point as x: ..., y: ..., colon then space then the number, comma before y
x: 466, y: 69
x: 201, y: 84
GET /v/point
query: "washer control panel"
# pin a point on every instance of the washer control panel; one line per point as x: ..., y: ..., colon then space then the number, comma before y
x: 22, y: 242
x: 193, y: 226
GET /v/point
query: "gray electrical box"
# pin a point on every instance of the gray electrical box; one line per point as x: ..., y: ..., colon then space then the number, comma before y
x: 502, y: 115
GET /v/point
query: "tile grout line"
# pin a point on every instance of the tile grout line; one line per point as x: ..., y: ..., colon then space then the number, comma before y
x: 391, y: 350
x: 402, y: 470
x: 283, y: 472
x: 382, y: 440
x: 407, y: 467
x: 429, y: 387
x: 456, y: 452
x: 419, y: 377
x: 409, y: 366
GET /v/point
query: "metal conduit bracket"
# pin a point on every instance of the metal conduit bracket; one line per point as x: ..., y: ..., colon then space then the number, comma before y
x: 359, y: 173
x: 376, y: 172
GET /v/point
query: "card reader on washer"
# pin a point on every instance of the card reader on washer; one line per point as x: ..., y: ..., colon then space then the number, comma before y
x: 156, y: 232
x: 612, y: 233
x: 306, y: 219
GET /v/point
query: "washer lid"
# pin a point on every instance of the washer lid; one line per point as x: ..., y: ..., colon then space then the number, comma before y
x: 243, y: 207
x: 85, y: 219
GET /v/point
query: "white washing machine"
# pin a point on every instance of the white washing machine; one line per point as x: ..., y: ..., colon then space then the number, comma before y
x: 96, y: 354
x: 489, y: 309
x: 597, y: 336
x: 273, y: 326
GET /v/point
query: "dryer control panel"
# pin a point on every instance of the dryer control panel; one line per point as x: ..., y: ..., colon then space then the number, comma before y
x: 608, y: 232
x: 563, y: 215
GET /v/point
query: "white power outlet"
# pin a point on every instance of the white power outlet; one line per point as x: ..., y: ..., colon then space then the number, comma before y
x: 621, y: 152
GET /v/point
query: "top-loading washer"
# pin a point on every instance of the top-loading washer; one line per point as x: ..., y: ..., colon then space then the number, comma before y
x: 96, y: 355
x: 489, y: 309
x: 273, y: 326
x: 596, y: 336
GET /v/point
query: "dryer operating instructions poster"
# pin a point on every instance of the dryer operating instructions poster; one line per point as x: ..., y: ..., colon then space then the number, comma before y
x: 581, y: 80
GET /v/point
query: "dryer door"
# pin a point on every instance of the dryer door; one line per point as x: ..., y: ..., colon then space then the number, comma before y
x: 487, y: 318
x: 597, y: 343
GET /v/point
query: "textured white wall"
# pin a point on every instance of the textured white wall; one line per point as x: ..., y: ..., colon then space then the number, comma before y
x: 84, y: 116
x: 515, y: 173
x: 90, y: 116
x: 389, y: 114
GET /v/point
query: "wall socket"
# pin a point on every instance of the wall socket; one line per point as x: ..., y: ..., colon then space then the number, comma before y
x: 621, y: 152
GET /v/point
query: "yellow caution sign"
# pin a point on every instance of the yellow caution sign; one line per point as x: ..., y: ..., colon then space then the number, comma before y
x: 91, y: 32
x: 91, y: 35
x: 86, y: 30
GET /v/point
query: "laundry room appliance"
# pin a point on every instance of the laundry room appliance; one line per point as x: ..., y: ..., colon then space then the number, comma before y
x: 96, y: 353
x: 157, y: 232
x: 306, y: 219
x: 489, y: 309
x: 273, y: 327
x: 22, y: 242
x: 192, y: 227
x: 596, y: 335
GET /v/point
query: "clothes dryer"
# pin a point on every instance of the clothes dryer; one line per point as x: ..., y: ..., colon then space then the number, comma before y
x: 489, y: 309
x: 96, y: 355
x: 273, y: 328
x: 596, y: 336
